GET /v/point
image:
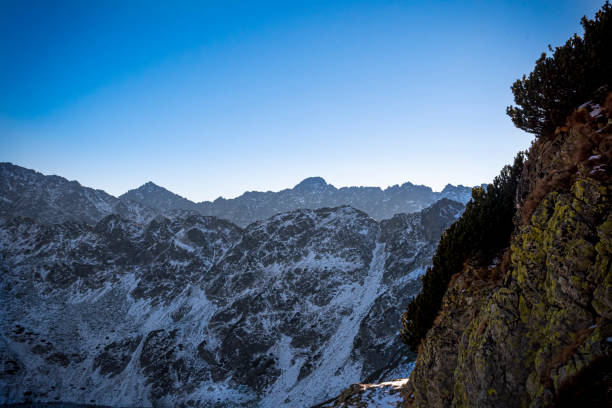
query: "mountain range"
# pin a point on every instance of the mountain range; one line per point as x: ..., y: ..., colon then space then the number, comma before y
x: 311, y: 193
x: 53, y: 199
x: 143, y: 301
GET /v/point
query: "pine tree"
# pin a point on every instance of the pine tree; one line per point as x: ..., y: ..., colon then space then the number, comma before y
x: 568, y: 78
x: 480, y: 234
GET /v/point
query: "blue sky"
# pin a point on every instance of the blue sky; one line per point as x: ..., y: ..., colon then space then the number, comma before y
x: 213, y: 99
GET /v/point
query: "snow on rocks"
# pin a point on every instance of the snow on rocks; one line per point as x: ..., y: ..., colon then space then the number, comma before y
x: 195, y: 310
x: 380, y: 395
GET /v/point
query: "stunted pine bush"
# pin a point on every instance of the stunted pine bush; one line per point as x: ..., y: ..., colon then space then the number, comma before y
x: 561, y: 82
x: 480, y: 234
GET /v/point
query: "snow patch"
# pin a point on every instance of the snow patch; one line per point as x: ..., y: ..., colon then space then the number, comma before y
x: 335, y: 369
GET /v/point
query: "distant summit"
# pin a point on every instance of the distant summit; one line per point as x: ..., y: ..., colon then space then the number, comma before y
x: 159, y: 198
x: 311, y: 183
x: 150, y: 186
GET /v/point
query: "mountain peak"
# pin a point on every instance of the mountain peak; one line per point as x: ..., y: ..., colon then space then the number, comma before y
x: 416, y: 187
x: 451, y: 187
x: 312, y: 183
x: 150, y: 186
x: 159, y: 198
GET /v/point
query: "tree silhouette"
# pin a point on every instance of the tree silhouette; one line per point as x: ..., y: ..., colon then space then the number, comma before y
x: 568, y: 78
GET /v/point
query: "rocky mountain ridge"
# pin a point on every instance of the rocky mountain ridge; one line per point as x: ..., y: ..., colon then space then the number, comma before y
x: 53, y: 199
x: 315, y: 192
x: 190, y: 310
x: 311, y: 193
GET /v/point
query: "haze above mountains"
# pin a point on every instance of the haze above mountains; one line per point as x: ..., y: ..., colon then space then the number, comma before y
x: 53, y: 199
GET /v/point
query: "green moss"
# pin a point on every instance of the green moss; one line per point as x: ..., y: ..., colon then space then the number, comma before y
x: 533, y: 328
x: 524, y: 309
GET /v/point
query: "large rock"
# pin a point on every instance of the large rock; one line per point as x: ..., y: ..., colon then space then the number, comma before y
x: 538, y: 331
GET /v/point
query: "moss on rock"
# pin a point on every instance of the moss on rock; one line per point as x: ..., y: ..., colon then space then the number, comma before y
x: 519, y: 341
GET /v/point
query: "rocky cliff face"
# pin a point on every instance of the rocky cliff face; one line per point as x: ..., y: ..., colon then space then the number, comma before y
x: 188, y: 310
x: 534, y: 329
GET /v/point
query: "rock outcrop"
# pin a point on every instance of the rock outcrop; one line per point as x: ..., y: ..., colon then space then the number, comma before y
x: 534, y: 328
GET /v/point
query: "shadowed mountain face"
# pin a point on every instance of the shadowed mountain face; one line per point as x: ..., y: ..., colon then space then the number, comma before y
x: 53, y: 199
x: 311, y: 193
x: 107, y: 301
x: 286, y: 312
x: 157, y: 197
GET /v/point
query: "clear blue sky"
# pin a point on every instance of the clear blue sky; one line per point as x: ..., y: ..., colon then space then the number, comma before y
x: 212, y: 99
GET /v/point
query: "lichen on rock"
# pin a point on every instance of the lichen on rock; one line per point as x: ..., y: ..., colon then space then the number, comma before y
x: 525, y: 339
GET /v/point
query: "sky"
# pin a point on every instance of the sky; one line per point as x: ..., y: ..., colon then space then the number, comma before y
x: 212, y: 99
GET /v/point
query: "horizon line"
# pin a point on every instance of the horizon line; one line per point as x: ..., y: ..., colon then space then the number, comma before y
x: 244, y: 192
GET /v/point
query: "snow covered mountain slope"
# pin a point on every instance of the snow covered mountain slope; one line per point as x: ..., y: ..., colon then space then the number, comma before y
x: 190, y: 310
